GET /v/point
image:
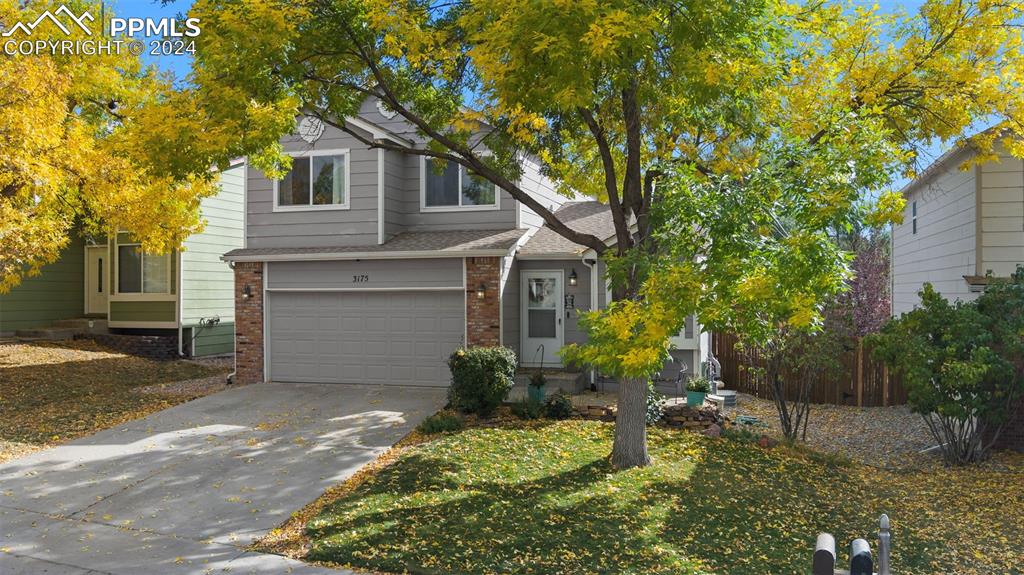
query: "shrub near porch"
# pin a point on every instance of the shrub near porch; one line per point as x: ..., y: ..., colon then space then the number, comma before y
x: 541, y: 498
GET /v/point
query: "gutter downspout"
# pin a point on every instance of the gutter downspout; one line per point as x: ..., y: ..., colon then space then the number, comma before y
x: 181, y: 283
x: 593, y: 304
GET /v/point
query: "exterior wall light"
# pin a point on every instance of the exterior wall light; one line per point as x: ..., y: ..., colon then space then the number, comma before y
x: 481, y: 291
x: 247, y: 292
x: 573, y: 278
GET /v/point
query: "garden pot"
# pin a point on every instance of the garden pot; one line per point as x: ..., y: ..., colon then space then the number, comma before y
x: 695, y: 398
x: 535, y: 393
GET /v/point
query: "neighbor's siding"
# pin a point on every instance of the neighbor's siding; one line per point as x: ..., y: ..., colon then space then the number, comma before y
x: 208, y: 283
x: 314, y: 228
x: 943, y: 250
x: 57, y: 293
x: 215, y: 340
x: 1002, y: 215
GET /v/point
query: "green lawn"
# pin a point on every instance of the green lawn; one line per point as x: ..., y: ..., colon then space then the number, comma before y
x: 542, y: 499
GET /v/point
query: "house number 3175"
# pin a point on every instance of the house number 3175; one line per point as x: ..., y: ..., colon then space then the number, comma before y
x: 360, y: 278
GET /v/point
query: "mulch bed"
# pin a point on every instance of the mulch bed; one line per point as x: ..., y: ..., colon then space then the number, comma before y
x: 888, y: 437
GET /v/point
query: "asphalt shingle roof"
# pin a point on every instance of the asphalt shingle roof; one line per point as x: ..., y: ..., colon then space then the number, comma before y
x: 589, y: 217
x: 453, y: 243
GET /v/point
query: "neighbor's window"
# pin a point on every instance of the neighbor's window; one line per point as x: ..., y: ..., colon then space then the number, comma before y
x: 139, y: 272
x: 455, y: 186
x: 314, y: 181
x: 913, y: 217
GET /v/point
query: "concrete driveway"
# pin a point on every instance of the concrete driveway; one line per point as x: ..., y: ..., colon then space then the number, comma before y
x: 185, y: 490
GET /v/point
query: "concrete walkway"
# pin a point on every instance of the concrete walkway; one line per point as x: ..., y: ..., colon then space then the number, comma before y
x: 184, y: 491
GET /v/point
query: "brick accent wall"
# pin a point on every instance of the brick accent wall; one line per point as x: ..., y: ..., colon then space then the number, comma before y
x: 249, y: 323
x: 483, y: 316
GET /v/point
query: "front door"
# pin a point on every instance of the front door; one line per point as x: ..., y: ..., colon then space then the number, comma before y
x: 96, y: 282
x: 542, y: 317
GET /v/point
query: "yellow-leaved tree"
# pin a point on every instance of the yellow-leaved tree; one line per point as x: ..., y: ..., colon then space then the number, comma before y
x: 727, y: 138
x: 92, y: 143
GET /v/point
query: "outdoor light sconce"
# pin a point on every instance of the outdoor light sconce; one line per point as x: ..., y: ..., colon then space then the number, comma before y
x: 247, y: 292
x: 481, y: 291
x: 573, y: 278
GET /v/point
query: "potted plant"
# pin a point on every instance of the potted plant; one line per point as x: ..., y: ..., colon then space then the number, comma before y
x: 696, y: 390
x: 536, y: 390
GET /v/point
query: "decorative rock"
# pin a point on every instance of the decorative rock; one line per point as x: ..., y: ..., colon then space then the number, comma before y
x: 713, y: 431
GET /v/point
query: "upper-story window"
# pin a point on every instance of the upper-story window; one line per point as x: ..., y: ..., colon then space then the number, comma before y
x: 317, y: 180
x: 913, y: 217
x: 455, y: 188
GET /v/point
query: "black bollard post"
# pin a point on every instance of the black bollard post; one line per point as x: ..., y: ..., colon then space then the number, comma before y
x: 824, y: 562
x: 860, y: 558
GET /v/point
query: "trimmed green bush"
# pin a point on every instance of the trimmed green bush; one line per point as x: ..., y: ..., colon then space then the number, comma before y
x: 481, y: 378
x: 558, y: 406
x: 441, y: 422
x: 528, y: 409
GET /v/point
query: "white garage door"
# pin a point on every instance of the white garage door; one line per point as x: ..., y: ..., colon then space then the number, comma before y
x: 390, y: 338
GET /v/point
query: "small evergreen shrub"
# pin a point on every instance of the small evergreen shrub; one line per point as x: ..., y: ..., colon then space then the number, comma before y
x: 655, y: 406
x: 558, y: 406
x: 481, y: 378
x: 442, y: 422
x: 528, y: 409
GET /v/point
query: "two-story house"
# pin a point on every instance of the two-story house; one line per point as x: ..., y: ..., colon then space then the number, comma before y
x: 371, y: 266
x: 959, y: 228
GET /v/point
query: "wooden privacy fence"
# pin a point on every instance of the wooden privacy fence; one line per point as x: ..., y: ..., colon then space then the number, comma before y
x: 861, y: 381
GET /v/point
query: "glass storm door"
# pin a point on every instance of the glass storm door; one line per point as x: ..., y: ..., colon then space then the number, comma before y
x: 96, y: 282
x: 542, y: 317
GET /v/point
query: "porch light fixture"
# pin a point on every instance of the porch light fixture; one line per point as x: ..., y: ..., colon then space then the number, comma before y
x: 481, y: 291
x: 247, y: 292
x: 573, y: 278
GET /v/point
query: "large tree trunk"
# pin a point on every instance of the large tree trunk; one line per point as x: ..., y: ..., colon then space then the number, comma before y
x: 630, y: 447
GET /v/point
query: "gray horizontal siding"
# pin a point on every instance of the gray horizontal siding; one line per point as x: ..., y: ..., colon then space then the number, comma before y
x: 421, y: 273
x: 326, y: 227
x: 417, y: 220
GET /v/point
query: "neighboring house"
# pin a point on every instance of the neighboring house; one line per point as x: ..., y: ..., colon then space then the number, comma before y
x: 959, y: 227
x: 366, y: 266
x: 111, y: 281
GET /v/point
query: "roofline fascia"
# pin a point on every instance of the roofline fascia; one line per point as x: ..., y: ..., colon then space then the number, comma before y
x: 935, y: 167
x: 550, y: 256
x: 378, y: 132
x: 342, y: 256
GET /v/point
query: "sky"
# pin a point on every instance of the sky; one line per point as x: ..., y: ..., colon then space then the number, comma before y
x: 179, y: 65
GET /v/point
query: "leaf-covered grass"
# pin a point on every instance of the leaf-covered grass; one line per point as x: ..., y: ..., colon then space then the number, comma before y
x: 541, y: 498
x: 51, y: 393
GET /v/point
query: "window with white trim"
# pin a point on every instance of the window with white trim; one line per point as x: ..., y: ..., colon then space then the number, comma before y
x: 314, y: 181
x: 139, y: 272
x: 913, y: 217
x: 455, y: 187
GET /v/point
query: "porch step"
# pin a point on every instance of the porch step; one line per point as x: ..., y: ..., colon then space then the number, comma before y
x: 46, y: 334
x: 83, y: 324
x: 62, y: 329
